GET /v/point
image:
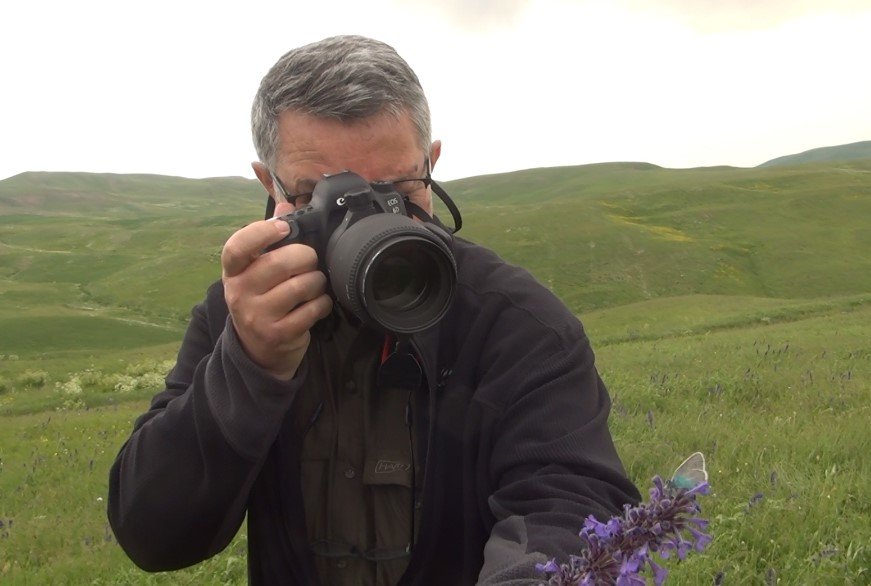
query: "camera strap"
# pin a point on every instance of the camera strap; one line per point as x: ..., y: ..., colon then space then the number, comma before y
x: 452, y: 207
x: 415, y: 210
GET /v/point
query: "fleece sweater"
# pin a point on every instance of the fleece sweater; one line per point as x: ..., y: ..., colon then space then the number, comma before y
x: 511, y: 432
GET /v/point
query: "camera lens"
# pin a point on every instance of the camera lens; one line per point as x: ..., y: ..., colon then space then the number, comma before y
x: 408, y: 284
x: 394, y: 272
x: 400, y: 279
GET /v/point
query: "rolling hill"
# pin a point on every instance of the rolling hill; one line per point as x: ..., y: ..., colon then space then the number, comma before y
x: 140, y: 250
x: 107, y: 194
x: 729, y: 310
x: 844, y: 152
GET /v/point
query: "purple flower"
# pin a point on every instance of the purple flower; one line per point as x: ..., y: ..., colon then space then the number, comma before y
x: 683, y: 547
x: 549, y: 567
x: 702, y: 539
x: 659, y: 573
x: 619, y: 550
x: 630, y: 580
x: 703, y: 488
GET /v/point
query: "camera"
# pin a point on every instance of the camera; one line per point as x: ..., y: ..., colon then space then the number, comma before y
x: 389, y: 270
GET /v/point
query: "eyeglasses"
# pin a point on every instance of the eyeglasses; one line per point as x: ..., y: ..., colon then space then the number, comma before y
x: 405, y: 187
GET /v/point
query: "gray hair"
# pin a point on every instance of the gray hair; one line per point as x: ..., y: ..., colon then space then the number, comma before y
x: 345, y: 78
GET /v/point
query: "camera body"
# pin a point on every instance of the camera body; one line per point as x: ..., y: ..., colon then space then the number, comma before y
x: 389, y: 270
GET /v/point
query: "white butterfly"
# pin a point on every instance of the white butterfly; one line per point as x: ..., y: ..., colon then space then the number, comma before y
x: 690, y: 473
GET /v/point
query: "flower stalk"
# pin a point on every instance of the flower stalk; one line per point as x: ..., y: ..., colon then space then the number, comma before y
x: 621, y: 549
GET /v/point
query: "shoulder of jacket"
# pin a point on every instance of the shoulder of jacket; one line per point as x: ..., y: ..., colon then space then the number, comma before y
x: 489, y: 284
x: 484, y: 272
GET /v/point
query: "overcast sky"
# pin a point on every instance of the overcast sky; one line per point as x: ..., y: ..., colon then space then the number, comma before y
x: 166, y: 86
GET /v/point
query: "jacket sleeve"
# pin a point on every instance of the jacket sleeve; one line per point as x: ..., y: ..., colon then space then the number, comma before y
x: 179, y: 486
x: 552, y: 459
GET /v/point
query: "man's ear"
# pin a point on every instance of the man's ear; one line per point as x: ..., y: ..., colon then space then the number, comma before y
x: 434, y: 152
x: 265, y: 177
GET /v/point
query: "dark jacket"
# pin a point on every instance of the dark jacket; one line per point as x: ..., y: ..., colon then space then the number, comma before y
x: 513, y: 437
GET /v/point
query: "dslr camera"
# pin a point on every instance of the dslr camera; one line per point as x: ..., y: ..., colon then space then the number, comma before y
x: 387, y: 269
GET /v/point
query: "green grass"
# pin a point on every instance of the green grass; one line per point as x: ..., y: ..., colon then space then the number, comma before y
x: 44, y: 334
x: 781, y: 412
x: 53, y: 478
x: 780, y: 409
x: 729, y: 310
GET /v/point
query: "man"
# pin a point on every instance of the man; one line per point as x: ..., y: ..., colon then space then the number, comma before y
x: 484, y: 464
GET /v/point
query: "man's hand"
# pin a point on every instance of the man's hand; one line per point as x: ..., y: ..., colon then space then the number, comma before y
x: 274, y: 298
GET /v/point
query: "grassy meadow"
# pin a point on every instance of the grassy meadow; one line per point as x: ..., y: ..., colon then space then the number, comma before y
x: 730, y: 311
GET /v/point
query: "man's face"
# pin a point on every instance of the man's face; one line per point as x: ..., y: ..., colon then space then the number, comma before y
x: 378, y: 148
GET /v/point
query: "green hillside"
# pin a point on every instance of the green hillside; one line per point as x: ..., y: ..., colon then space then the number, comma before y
x: 139, y: 251
x: 598, y: 235
x: 606, y: 235
x: 832, y: 154
x: 729, y: 310
x: 110, y: 195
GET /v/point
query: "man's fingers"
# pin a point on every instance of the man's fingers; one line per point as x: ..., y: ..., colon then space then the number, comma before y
x: 293, y: 292
x: 275, y: 297
x: 305, y: 316
x: 273, y: 268
x: 246, y: 244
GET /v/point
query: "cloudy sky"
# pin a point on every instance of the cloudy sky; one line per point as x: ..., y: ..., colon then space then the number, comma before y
x: 166, y: 86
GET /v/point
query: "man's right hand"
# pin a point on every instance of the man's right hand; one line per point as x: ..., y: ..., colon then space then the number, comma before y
x: 275, y: 297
